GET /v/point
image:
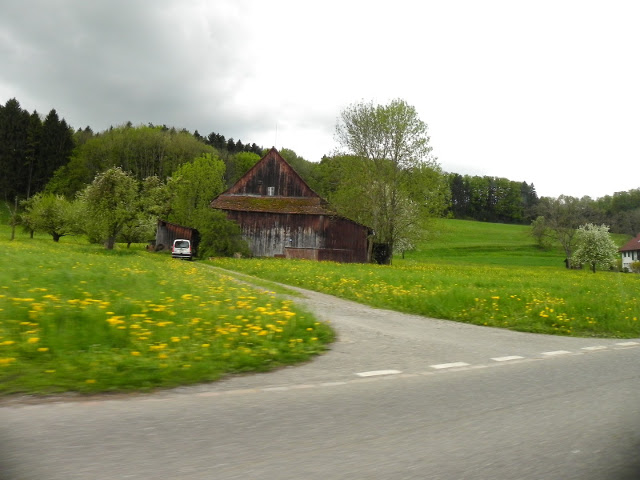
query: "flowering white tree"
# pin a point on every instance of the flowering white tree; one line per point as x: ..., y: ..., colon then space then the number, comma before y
x: 594, y: 246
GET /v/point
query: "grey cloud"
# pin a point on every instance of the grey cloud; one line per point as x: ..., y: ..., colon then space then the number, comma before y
x: 103, y: 63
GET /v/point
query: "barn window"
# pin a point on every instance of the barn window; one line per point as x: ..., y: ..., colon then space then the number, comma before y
x: 271, y: 191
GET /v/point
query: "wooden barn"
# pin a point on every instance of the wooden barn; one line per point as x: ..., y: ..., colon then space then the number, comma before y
x: 281, y: 216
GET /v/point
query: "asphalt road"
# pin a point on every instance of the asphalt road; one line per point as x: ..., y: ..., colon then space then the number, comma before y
x: 397, y: 397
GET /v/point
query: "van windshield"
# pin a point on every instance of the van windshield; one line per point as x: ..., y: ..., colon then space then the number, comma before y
x: 182, y: 244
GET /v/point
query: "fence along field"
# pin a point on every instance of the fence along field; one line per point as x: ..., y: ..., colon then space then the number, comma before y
x: 480, y: 273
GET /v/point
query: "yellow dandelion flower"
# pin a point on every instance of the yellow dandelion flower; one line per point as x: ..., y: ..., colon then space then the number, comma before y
x: 33, y: 340
x: 206, y: 345
x: 91, y: 380
x: 135, y: 354
x: 43, y: 349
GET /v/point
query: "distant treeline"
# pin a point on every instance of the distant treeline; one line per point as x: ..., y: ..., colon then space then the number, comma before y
x: 45, y: 154
x: 230, y: 146
x: 31, y: 149
x: 491, y: 199
x: 39, y: 153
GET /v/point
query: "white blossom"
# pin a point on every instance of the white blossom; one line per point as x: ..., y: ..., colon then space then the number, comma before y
x: 595, y: 247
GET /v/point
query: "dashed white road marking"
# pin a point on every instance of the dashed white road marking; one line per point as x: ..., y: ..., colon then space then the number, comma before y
x: 332, y: 384
x: 375, y: 373
x: 449, y: 365
x: 557, y: 352
x: 627, y: 344
x: 275, y: 389
x: 594, y: 348
x: 507, y: 359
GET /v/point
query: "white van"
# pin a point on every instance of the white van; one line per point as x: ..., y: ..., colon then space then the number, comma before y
x: 181, y: 248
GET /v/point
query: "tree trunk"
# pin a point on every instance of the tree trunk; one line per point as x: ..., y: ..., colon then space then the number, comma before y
x: 382, y: 253
x: 56, y: 237
x: 14, y: 219
x: 111, y: 241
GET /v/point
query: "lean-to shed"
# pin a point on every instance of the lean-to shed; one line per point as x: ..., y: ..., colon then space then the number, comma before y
x: 281, y: 216
x: 167, y: 232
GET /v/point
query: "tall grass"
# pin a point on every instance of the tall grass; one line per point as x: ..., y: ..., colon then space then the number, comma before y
x: 486, y: 274
x: 77, y: 317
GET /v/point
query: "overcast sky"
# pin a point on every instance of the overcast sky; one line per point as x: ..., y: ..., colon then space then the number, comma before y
x: 546, y: 92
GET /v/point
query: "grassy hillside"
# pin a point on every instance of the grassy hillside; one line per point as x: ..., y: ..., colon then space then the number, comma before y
x: 463, y: 241
x: 481, y: 273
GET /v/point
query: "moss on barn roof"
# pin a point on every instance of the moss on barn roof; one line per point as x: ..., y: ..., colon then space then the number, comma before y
x: 299, y: 205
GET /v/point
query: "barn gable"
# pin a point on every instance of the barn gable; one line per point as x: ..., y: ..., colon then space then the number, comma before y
x: 272, y: 176
x: 280, y: 215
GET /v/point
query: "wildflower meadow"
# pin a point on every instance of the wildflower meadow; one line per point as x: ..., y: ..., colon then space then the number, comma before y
x: 541, y: 300
x: 79, y: 318
x: 480, y: 273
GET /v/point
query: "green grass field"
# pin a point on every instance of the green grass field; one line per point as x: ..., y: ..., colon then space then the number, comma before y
x: 75, y: 317
x: 468, y: 242
x: 481, y: 273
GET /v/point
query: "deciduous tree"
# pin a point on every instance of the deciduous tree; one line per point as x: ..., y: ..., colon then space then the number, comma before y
x: 51, y: 214
x: 595, y: 247
x: 558, y: 220
x: 111, y: 201
x: 193, y: 186
x: 237, y: 165
x: 384, y: 184
x: 144, y: 151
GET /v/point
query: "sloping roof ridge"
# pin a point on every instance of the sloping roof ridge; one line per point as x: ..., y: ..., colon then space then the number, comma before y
x: 633, y: 244
x: 293, y: 170
x: 175, y: 224
x: 280, y: 158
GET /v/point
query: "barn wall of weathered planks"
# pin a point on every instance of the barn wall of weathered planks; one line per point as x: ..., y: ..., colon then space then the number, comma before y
x: 271, y: 234
x: 272, y: 171
x: 281, y: 216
